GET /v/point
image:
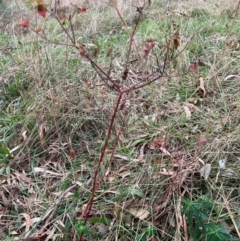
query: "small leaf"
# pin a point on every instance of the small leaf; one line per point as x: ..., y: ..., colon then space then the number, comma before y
x: 222, y: 163
x: 82, y: 10
x: 103, y: 219
x: 72, y: 153
x: 168, y: 173
x: 148, y: 47
x: 42, y: 10
x: 176, y: 40
x: 42, y: 132
x: 38, y: 30
x: 96, y: 49
x: 110, y: 50
x: 193, y: 67
x: 141, y: 213
x: 5, y: 150
x: 24, y: 23
x: 129, y: 192
x: 187, y: 112
x: 63, y: 20
x: 40, y: 236
x: 28, y: 221
x: 201, y: 63
x: 23, y: 177
x: 82, y: 50
x: 201, y: 139
x: 205, y: 171
x: 157, y: 143
x: 201, y: 88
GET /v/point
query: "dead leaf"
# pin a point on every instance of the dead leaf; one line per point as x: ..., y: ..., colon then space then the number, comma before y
x: 176, y: 40
x: 82, y: 50
x: 201, y: 139
x: 5, y: 200
x: 42, y: 10
x: 96, y: 51
x: 37, y: 237
x: 88, y: 83
x: 156, y: 144
x: 201, y: 63
x: 31, y: 199
x: 42, y: 132
x: 82, y: 10
x: 72, y: 153
x: 222, y: 163
x: 58, y: 194
x: 63, y: 20
x: 23, y: 177
x: 172, y: 220
x: 109, y: 150
x: 47, y: 173
x: 28, y: 222
x: 38, y: 30
x: 205, y: 171
x: 24, y: 135
x: 148, y: 47
x: 124, y: 174
x: 141, y: 155
x: 193, y: 67
x: 141, y: 213
x: 110, y: 50
x: 168, y: 173
x: 165, y: 151
x: 187, y: 112
x: 24, y: 23
x: 201, y: 88
x: 154, y: 238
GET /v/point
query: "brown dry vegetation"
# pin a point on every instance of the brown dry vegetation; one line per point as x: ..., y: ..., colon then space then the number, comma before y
x: 55, y: 112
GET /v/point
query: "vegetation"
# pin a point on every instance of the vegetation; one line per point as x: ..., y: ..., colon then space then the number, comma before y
x: 119, y: 121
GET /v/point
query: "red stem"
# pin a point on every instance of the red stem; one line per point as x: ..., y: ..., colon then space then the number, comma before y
x: 95, y: 186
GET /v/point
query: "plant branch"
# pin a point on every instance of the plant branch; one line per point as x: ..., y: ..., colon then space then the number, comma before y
x: 95, y: 185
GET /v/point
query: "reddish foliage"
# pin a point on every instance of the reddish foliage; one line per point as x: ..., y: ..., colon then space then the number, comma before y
x: 201, y: 63
x: 82, y: 50
x: 38, y: 30
x: 24, y: 23
x: 42, y: 10
x: 193, y: 67
x: 176, y: 42
x: 82, y: 10
x: 148, y: 47
x: 63, y: 20
x: 72, y: 153
x: 201, y: 139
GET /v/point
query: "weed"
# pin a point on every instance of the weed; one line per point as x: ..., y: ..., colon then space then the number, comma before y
x: 108, y: 121
x: 201, y: 217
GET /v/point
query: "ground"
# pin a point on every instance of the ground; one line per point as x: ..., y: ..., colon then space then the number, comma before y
x: 170, y: 169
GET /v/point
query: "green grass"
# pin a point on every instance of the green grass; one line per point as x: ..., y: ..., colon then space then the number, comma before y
x: 52, y: 101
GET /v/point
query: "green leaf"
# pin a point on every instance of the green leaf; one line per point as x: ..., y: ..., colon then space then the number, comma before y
x: 4, y: 150
x: 130, y: 191
x: 81, y: 228
x: 102, y: 219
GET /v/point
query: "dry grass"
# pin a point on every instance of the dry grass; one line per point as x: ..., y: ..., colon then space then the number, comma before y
x: 53, y: 102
